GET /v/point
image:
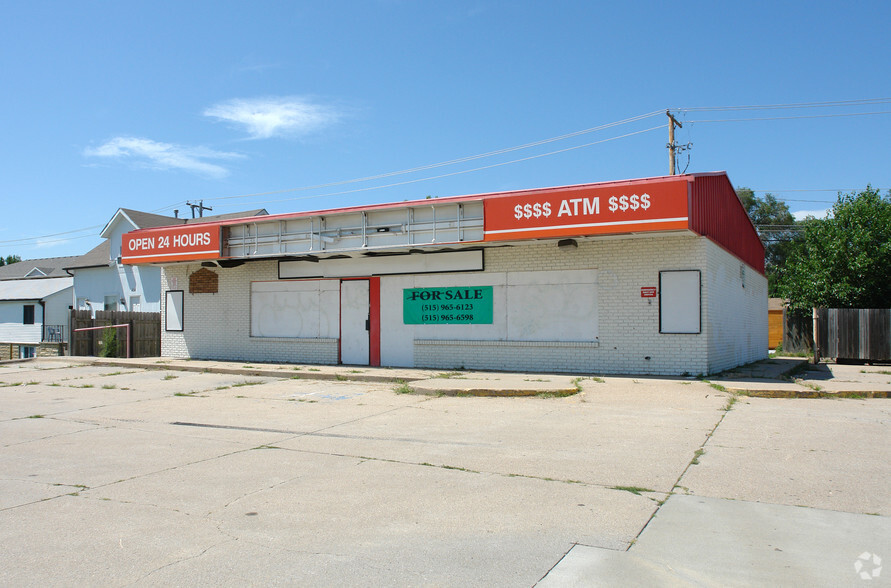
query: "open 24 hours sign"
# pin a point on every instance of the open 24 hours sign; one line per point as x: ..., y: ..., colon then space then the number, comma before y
x: 589, y: 210
x: 470, y: 305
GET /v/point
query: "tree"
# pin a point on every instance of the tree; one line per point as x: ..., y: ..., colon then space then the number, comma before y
x: 9, y: 259
x: 843, y: 261
x: 777, y: 229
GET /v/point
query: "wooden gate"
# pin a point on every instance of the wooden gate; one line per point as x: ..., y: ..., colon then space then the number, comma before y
x: 854, y: 333
x: 145, y: 333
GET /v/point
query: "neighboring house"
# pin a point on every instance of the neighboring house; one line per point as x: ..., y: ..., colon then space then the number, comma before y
x: 33, y: 311
x: 101, y: 282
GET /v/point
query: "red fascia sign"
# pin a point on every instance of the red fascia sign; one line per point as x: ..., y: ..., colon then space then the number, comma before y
x: 648, y: 292
x: 588, y: 210
x: 176, y: 243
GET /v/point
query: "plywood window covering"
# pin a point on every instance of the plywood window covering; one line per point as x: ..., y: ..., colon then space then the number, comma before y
x: 680, y: 302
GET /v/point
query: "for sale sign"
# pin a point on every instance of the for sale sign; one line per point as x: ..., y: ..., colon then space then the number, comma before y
x: 447, y: 306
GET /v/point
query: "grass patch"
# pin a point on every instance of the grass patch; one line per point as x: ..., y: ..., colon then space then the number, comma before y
x: 109, y: 386
x: 402, y: 387
x: 696, y: 455
x: 54, y: 384
x: 717, y: 387
x: 355, y: 371
x: 314, y: 369
x: 633, y: 489
x: 112, y: 374
x: 34, y: 383
x: 36, y: 416
x: 340, y: 378
x: 85, y: 386
x: 221, y: 388
x: 296, y: 368
x: 192, y: 393
x: 246, y: 383
x: 170, y: 377
x: 295, y: 377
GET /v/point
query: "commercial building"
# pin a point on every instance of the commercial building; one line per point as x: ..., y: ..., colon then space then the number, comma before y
x: 651, y: 276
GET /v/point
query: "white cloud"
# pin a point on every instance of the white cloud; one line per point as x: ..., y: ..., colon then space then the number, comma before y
x: 159, y: 155
x: 263, y: 118
x: 802, y: 214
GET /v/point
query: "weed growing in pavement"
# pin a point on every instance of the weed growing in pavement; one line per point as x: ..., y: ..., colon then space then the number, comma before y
x: 730, y: 402
x: 633, y: 489
x: 314, y: 369
x: 340, y: 378
x: 696, y: 455
x: 402, y: 387
x: 246, y: 383
x: 170, y: 377
x: 447, y: 375
x: 108, y: 386
x: 36, y: 416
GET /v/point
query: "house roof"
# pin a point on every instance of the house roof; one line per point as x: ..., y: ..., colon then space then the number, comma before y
x: 98, y: 256
x: 53, y: 267
x: 33, y: 289
x: 148, y: 220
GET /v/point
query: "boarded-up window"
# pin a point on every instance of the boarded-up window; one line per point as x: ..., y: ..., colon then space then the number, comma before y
x: 299, y: 309
x: 173, y: 317
x: 680, y: 302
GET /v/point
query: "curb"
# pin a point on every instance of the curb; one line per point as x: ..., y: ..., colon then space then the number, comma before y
x: 285, y: 375
x: 852, y: 394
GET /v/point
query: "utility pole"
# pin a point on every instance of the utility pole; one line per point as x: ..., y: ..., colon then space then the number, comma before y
x: 200, y: 206
x: 671, y: 145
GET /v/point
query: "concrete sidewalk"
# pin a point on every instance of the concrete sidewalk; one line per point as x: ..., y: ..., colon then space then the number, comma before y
x: 778, y: 377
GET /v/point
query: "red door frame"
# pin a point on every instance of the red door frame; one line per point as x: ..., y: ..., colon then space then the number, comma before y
x: 374, y: 316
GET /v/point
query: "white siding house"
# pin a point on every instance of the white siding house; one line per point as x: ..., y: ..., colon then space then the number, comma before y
x: 32, y: 311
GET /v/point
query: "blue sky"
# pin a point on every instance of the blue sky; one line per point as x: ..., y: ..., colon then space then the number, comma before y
x: 147, y: 105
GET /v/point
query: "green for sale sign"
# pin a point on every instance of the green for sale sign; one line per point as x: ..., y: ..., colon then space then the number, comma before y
x: 447, y: 306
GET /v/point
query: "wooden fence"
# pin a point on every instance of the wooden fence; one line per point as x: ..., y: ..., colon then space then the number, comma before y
x: 854, y: 333
x: 145, y: 333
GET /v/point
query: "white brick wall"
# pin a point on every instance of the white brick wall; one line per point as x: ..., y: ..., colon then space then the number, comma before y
x: 217, y: 326
x: 734, y: 319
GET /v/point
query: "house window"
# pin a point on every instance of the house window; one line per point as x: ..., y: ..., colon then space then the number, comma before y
x: 111, y: 303
x: 27, y: 351
x: 29, y: 315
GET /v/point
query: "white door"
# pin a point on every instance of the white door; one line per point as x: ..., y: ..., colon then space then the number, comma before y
x: 354, y: 322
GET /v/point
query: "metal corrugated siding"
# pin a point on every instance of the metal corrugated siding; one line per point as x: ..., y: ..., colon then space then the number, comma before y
x: 718, y: 214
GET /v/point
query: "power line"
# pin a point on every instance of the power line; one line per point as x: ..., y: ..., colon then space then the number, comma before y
x: 450, y: 162
x: 407, y: 171
x: 789, y: 117
x: 459, y: 172
x: 830, y: 104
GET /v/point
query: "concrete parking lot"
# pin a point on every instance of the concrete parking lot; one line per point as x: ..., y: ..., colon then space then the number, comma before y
x: 122, y: 476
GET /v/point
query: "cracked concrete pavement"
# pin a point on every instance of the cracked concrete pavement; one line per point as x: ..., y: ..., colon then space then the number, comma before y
x: 125, y: 476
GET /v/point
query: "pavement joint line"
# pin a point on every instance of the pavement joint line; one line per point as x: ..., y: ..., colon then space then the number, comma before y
x: 699, y: 451
x: 296, y: 434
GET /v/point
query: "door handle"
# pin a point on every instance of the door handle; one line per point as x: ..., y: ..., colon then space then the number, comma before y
x: 368, y: 324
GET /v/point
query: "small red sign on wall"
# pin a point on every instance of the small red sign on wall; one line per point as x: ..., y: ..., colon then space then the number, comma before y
x: 648, y: 292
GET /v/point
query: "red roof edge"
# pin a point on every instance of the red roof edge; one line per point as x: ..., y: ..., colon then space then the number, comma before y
x: 718, y: 214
